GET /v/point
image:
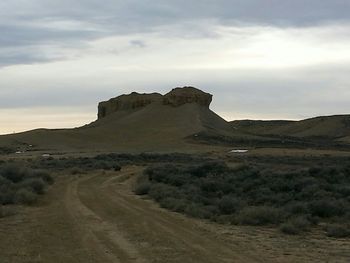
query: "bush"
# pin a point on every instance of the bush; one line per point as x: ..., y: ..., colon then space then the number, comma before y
x: 297, y: 208
x: 295, y: 226
x: 13, y: 172
x: 6, y: 211
x: 142, y: 185
x: 177, y: 205
x: 258, y: 216
x: 25, y: 196
x: 252, y: 195
x: 213, y: 167
x: 76, y: 171
x: 229, y: 205
x: 161, y: 191
x: 327, y: 208
x: 198, y: 211
x: 289, y: 228
x: 36, y: 185
x: 19, y: 184
x: 117, y: 167
x: 7, y: 196
x: 111, y: 161
x: 142, y: 188
x: 338, y: 231
x: 45, y: 176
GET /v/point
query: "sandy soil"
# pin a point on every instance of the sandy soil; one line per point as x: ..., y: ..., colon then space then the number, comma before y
x: 97, y: 218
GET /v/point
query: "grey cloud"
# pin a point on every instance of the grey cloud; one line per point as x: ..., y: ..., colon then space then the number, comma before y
x: 23, y: 35
x: 151, y: 12
x: 138, y: 43
x: 297, y: 94
x: 23, y: 44
x: 26, y: 58
x: 23, y: 23
x: 22, y: 97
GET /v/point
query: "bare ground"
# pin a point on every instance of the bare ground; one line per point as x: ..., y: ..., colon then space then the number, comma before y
x: 97, y: 218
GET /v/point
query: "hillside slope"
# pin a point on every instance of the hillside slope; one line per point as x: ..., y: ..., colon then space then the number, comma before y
x: 258, y: 126
x: 180, y: 120
x: 335, y: 127
x: 146, y: 122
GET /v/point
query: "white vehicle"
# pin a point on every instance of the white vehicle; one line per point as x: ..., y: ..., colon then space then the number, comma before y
x: 239, y: 151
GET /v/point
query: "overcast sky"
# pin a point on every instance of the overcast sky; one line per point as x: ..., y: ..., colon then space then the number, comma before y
x: 261, y: 59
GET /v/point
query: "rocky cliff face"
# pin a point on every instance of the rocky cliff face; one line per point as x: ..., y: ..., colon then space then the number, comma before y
x: 174, y: 98
x: 127, y: 102
x: 180, y: 96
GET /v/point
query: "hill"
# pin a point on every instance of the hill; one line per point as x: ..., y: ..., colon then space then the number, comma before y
x: 136, y: 121
x: 332, y: 127
x: 258, y: 126
x: 180, y: 120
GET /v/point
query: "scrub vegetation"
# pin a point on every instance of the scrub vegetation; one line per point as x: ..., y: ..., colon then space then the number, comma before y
x: 110, y: 161
x: 293, y: 201
x: 21, y: 185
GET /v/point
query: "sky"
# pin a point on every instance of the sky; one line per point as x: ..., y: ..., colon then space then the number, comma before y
x: 261, y: 59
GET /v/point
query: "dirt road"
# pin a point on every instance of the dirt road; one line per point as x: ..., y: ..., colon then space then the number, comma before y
x: 97, y: 218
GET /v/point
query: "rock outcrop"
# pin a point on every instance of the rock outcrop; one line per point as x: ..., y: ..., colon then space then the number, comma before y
x: 134, y: 101
x: 180, y: 96
x: 127, y: 102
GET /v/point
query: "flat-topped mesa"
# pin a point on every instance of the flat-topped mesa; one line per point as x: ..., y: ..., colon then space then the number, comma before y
x: 175, y: 98
x: 180, y: 96
x: 126, y: 102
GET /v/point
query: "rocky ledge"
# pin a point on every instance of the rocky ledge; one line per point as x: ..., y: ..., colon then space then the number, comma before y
x: 174, y: 98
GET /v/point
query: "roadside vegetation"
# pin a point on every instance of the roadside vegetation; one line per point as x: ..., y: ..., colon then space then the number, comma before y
x: 111, y: 161
x: 293, y: 201
x: 20, y: 185
x: 6, y: 150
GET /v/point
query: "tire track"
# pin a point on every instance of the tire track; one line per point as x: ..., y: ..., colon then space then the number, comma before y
x: 155, y: 225
x: 99, y: 235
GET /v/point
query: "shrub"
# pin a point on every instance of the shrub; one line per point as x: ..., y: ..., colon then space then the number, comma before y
x: 6, y: 150
x: 36, y: 185
x: 295, y: 226
x: 44, y: 176
x: 174, y: 204
x: 6, y: 211
x: 19, y: 184
x: 76, y: 171
x: 142, y: 188
x: 25, y: 196
x: 252, y: 195
x: 160, y: 191
x: 117, y: 167
x: 259, y: 216
x: 7, y: 197
x: 289, y: 228
x: 196, y: 210
x: 142, y: 185
x: 13, y: 172
x: 229, y: 205
x: 338, y: 231
x: 225, y: 219
x: 208, y: 167
x: 297, y: 208
x: 327, y: 208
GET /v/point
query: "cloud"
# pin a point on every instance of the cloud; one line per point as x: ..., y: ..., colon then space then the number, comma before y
x: 37, y: 23
x: 138, y: 43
